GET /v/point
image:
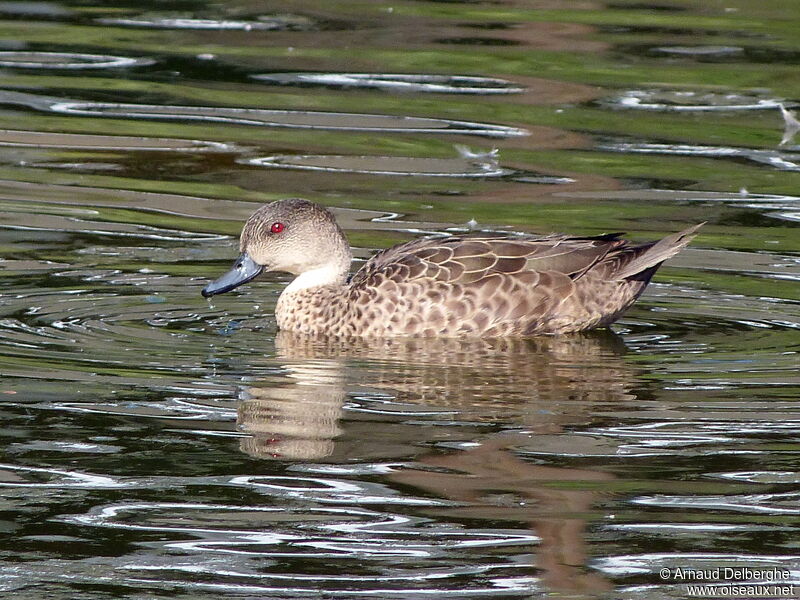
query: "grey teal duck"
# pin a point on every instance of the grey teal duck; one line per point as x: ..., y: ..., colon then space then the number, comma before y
x: 483, y: 285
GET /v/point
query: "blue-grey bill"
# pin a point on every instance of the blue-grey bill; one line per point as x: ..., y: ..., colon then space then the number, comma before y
x: 244, y: 269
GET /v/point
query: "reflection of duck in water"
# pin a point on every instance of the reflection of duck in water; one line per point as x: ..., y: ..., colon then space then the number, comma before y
x: 545, y: 383
x: 298, y: 421
x: 474, y: 286
x: 492, y: 483
x: 541, y: 386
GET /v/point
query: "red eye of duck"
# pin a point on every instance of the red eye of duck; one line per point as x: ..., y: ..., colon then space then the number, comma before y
x: 277, y: 227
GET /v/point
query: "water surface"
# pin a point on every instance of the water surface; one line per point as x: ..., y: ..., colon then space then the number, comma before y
x: 157, y: 445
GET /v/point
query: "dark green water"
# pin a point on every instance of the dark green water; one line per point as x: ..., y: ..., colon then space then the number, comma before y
x: 158, y: 446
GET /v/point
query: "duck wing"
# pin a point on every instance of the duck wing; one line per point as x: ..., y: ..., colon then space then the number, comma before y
x: 472, y: 286
x: 465, y: 260
x: 500, y: 286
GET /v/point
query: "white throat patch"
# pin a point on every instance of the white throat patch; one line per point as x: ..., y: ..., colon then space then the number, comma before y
x: 327, y: 275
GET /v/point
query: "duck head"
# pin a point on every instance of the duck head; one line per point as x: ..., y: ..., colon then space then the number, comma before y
x: 293, y: 236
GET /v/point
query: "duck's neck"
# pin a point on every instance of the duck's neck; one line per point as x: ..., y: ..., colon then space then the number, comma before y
x: 331, y: 274
x: 313, y: 302
x: 316, y: 295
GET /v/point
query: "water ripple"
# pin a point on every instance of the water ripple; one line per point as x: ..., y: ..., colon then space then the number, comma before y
x: 382, y: 165
x: 331, y: 491
x: 787, y: 503
x: 265, y: 23
x: 231, y: 545
x: 14, y: 476
x: 689, y: 101
x: 397, y: 82
x: 68, y: 60
x: 768, y: 477
x: 47, y: 139
x: 292, y: 119
x: 783, y: 161
x: 699, y: 51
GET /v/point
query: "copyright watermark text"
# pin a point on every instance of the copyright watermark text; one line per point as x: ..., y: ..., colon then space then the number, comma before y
x: 733, y: 582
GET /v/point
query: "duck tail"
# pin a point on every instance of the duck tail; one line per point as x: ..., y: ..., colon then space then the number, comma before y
x: 654, y: 254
